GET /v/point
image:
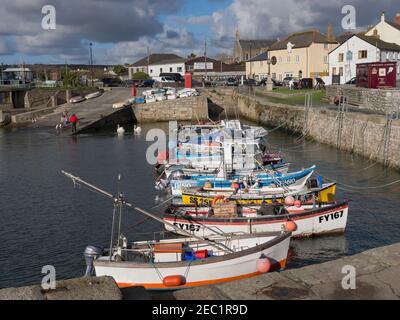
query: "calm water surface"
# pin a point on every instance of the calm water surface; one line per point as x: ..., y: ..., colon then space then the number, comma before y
x: 44, y: 220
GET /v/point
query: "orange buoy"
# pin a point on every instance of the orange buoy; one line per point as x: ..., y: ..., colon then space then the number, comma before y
x: 216, y: 199
x: 297, y: 203
x: 289, y: 200
x: 162, y: 157
x: 174, y: 281
x: 290, y: 226
x: 263, y: 264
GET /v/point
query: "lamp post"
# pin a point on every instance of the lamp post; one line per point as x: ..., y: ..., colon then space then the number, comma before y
x: 2, y: 75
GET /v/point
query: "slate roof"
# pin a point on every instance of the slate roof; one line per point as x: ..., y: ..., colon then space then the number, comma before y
x: 301, y: 40
x: 156, y: 58
x: 256, y: 44
x: 380, y: 44
x: 261, y: 57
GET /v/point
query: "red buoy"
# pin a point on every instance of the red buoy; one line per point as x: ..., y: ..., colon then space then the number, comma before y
x: 162, y: 157
x: 290, y: 226
x: 297, y: 203
x: 174, y: 281
x: 263, y: 265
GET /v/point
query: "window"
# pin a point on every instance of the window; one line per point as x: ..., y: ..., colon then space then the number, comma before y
x: 151, y: 70
x: 325, y: 59
x: 274, y: 76
x: 247, y: 56
x: 280, y: 59
x: 179, y: 69
x: 288, y: 59
x: 341, y: 57
x: 362, y: 54
x: 160, y: 70
x: 326, y: 46
x: 297, y: 58
x: 334, y: 71
x: 341, y: 71
x: 170, y: 69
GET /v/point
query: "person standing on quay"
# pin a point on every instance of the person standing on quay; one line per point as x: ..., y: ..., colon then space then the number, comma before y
x: 73, y: 120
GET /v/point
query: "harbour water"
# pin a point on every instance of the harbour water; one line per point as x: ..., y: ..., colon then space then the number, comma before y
x: 45, y: 220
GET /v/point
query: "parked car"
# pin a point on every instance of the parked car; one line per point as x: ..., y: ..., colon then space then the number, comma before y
x: 148, y: 83
x: 251, y: 82
x: 352, y: 81
x: 232, y: 82
x: 287, y: 80
x: 164, y: 79
x: 177, y: 77
x: 275, y: 83
x: 77, y: 99
x: 112, y: 82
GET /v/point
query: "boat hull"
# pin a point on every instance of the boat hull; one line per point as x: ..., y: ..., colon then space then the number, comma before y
x: 329, y: 219
x: 324, y: 194
x: 200, y: 272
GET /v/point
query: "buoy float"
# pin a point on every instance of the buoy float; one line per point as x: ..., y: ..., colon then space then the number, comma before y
x: 208, y: 185
x: 297, y: 203
x: 174, y: 281
x: 263, y: 264
x: 290, y: 226
x: 289, y: 200
x: 235, y: 185
x: 162, y: 157
x: 137, y: 129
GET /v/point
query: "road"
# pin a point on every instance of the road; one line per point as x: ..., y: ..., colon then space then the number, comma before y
x: 86, y: 111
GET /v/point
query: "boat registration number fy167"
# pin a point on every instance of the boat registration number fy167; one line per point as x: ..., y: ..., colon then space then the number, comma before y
x: 188, y: 227
x: 331, y: 216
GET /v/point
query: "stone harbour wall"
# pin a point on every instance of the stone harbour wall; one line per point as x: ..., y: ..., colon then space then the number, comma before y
x: 375, y: 100
x: 369, y: 135
x: 182, y: 109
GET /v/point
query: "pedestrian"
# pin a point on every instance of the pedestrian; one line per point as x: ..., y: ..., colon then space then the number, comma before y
x: 291, y: 84
x: 73, y: 120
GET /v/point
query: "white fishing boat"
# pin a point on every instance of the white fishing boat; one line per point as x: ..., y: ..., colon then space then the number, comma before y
x: 187, y: 262
x: 182, y: 262
x: 228, y: 217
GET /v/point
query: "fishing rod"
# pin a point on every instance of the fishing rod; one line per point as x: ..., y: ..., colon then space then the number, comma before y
x: 91, y: 187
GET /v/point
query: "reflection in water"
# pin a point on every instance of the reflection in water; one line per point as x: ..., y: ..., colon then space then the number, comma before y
x: 46, y: 221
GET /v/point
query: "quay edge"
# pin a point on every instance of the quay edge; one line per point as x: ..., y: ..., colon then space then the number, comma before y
x: 376, y: 277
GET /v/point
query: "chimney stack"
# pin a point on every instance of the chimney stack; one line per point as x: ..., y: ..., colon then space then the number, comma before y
x: 383, y: 19
x: 330, y: 35
x: 376, y: 34
x: 397, y: 19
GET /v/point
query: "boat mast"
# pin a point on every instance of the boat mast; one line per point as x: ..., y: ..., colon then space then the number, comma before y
x: 121, y: 200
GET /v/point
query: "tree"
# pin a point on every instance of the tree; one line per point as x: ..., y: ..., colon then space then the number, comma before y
x: 140, y: 76
x: 119, y: 70
x: 192, y: 55
x: 70, y: 79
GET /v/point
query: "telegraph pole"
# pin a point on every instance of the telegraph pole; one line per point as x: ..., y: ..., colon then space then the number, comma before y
x: 91, y: 62
x: 205, y: 57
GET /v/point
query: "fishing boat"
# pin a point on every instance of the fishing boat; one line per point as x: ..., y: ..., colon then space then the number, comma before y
x: 178, y: 263
x: 261, y: 182
x: 323, y: 193
x: 310, y: 218
x: 187, y: 262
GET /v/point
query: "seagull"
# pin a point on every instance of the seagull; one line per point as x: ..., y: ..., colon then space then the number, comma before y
x: 120, y: 130
x: 137, y: 129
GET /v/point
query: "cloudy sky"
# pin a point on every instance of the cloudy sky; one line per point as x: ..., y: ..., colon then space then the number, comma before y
x: 122, y: 30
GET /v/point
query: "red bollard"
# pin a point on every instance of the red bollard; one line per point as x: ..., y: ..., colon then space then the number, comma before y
x: 133, y: 91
